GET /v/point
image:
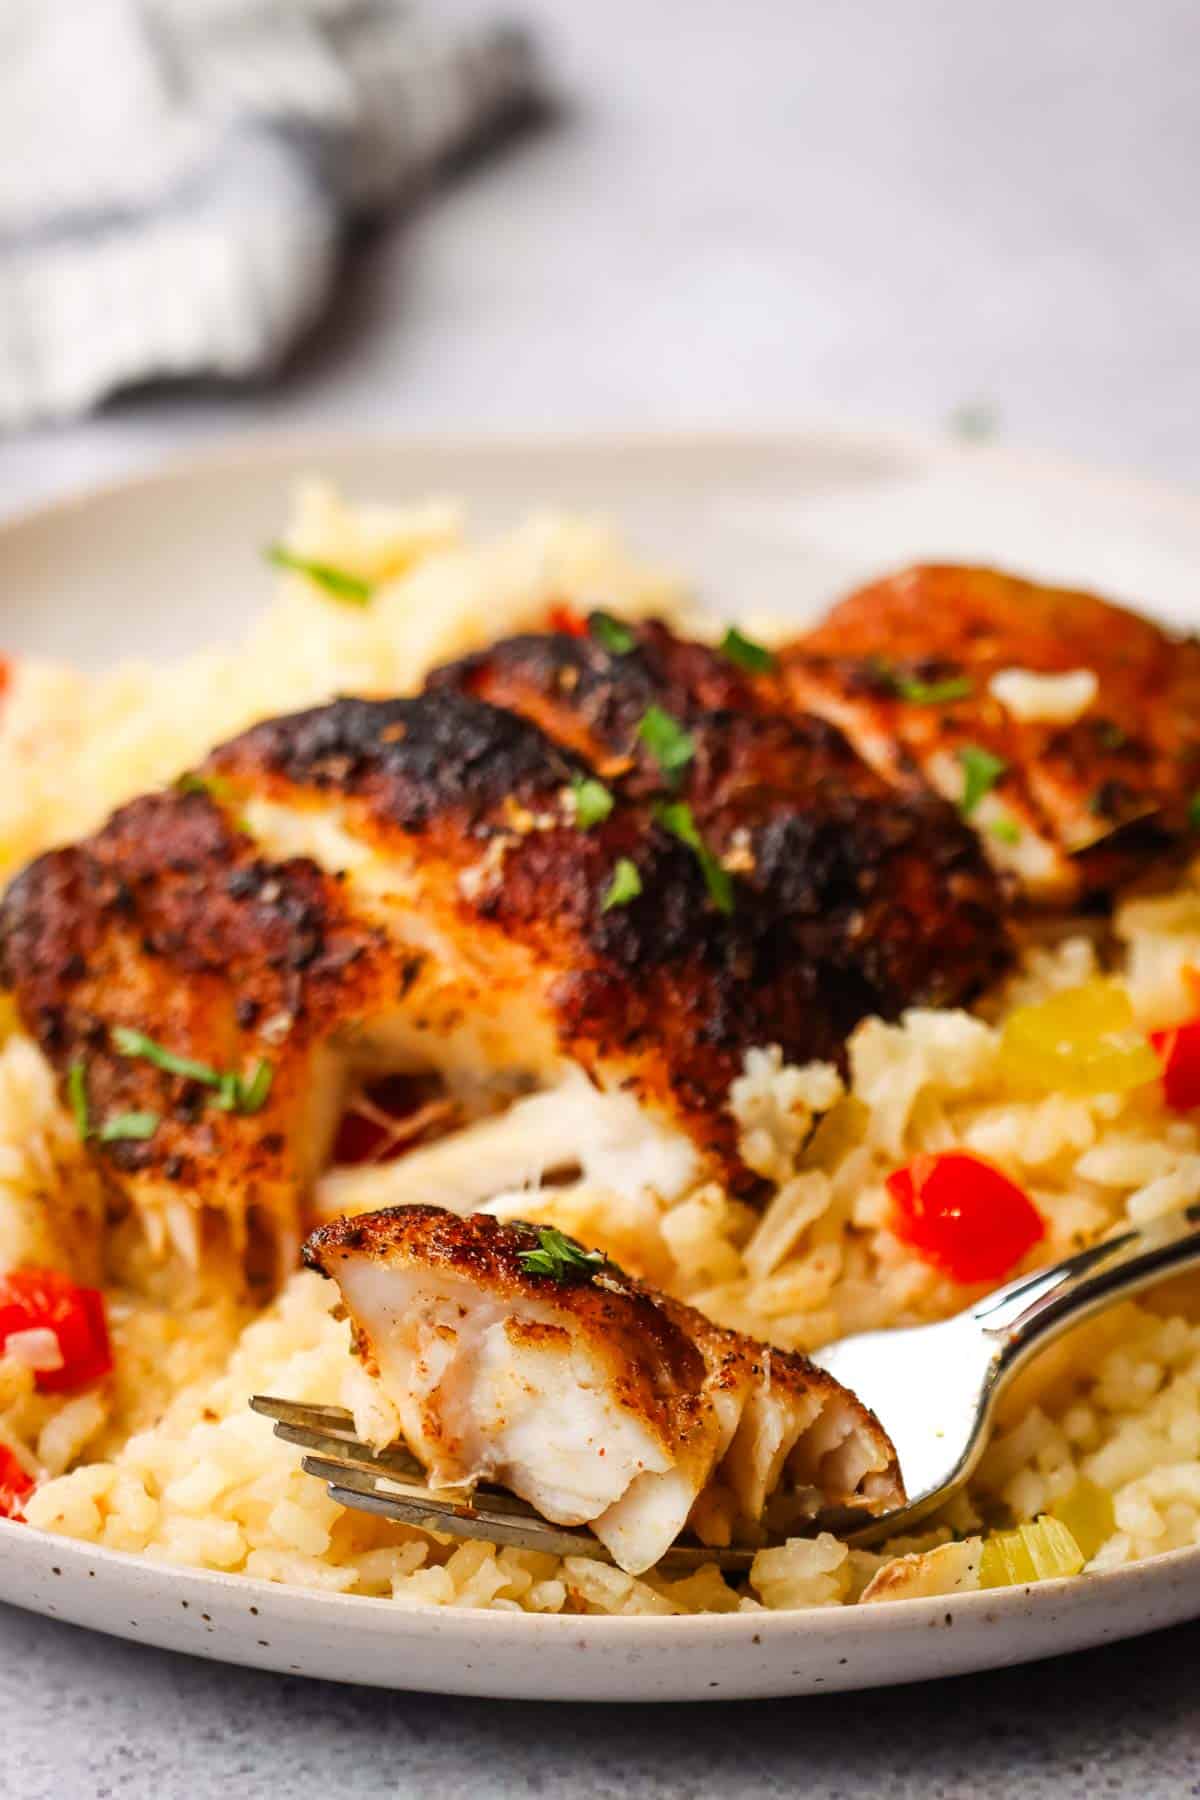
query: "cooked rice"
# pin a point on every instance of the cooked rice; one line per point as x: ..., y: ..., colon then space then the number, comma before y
x: 167, y: 1461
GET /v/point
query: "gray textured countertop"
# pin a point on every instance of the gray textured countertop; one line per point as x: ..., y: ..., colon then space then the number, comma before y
x: 770, y: 214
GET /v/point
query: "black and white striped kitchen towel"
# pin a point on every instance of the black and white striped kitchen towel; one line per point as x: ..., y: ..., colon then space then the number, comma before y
x: 176, y: 175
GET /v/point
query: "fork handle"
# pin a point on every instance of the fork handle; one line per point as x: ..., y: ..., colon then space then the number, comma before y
x: 1035, y: 1309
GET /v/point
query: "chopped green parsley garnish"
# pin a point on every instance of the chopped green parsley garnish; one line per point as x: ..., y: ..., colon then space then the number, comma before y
x: 668, y: 743
x: 560, y: 1257
x: 746, y: 653
x: 593, y: 802
x: 212, y: 785
x: 610, y: 634
x: 77, y: 1095
x: 911, y: 687
x: 626, y: 885
x: 136, y: 1044
x: 981, y: 772
x: 676, y: 817
x: 217, y: 789
x: 234, y: 1092
x: 237, y: 1094
x: 111, y: 1131
x: 339, y: 583
x: 128, y: 1125
x: 1005, y: 831
x: 1111, y: 735
x: 931, y: 693
x: 1194, y: 811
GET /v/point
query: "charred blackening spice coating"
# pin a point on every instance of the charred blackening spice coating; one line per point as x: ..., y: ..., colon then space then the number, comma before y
x: 484, y: 1250
x: 847, y: 903
x: 168, y: 922
x: 848, y: 900
x: 593, y: 700
x: 411, y: 760
x: 489, y: 1251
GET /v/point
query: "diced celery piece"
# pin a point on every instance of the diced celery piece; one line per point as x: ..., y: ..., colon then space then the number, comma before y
x: 1052, y: 1549
x: 1088, y: 1514
x: 1081, y: 1041
x: 1039, y: 1552
x: 1004, y: 1561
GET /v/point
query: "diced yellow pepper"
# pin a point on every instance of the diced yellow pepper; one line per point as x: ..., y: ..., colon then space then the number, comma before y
x: 1082, y: 1041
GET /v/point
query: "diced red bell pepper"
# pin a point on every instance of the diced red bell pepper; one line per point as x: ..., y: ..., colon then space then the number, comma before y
x: 567, y: 619
x: 359, y: 1140
x: 1179, y: 1053
x: 365, y: 1136
x: 963, y: 1215
x: 15, y: 1484
x: 46, y: 1299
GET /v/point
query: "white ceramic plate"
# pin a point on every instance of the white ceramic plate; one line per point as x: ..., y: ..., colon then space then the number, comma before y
x: 169, y: 562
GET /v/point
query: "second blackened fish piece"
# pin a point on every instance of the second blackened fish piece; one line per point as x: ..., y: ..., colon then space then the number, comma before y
x: 1066, y: 729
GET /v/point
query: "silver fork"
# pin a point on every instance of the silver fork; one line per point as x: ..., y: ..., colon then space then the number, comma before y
x: 392, y: 1482
x: 933, y: 1387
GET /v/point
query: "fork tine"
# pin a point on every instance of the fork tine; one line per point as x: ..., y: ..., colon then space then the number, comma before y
x: 338, y: 1454
x: 296, y: 1412
x: 365, y: 1481
x: 496, y: 1524
x: 428, y: 1515
x: 465, y: 1502
x: 501, y: 1517
x: 352, y: 1453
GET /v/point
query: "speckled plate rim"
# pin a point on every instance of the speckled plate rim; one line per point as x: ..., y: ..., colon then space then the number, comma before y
x: 374, y: 1642
x: 569, y: 1657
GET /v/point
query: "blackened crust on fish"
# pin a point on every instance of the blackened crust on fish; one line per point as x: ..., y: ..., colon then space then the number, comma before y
x: 413, y: 758
x: 831, y: 923
x: 591, y: 699
x: 849, y: 899
x: 846, y: 900
x: 168, y: 922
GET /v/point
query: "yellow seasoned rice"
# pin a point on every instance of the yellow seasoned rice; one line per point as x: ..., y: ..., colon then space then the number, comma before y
x: 166, y: 1460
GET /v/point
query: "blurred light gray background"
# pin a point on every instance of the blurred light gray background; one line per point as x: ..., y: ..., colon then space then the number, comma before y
x: 778, y: 213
